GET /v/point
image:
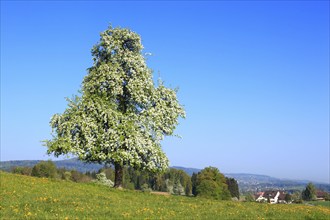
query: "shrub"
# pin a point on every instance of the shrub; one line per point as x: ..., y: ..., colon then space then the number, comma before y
x: 129, y: 185
x: 169, y: 186
x: 298, y: 201
x: 76, y: 176
x: 102, y: 179
x: 249, y: 198
x: 178, y: 189
x: 22, y: 170
x: 109, y: 173
x: 288, y: 198
x: 66, y: 175
x: 145, y: 188
x: 327, y: 197
x: 44, y: 169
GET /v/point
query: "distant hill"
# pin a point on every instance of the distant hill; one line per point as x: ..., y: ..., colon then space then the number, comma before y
x: 255, y: 182
x: 69, y: 164
x: 246, y: 182
x: 190, y: 171
x: 7, y: 165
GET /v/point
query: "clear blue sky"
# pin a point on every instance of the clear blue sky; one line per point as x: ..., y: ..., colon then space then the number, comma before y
x: 253, y: 76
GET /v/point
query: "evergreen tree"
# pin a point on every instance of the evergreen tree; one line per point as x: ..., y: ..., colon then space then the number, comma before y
x: 309, y: 193
x: 121, y: 116
x: 194, y: 183
x: 232, y: 187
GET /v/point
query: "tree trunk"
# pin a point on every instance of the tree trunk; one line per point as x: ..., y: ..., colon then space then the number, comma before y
x: 118, y: 176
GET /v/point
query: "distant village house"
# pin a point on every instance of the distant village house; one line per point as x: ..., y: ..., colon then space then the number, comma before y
x: 320, y: 195
x: 271, y: 197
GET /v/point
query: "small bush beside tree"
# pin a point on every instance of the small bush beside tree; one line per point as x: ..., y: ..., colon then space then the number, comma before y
x: 102, y: 179
x: 79, y: 177
x: 22, y: 170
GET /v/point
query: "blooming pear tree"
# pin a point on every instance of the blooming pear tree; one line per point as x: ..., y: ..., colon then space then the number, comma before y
x: 120, y: 117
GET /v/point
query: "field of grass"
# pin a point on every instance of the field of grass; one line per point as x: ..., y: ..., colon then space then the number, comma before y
x: 24, y: 197
x: 320, y: 203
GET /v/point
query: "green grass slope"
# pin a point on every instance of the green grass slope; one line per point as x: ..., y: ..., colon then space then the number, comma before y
x: 24, y: 197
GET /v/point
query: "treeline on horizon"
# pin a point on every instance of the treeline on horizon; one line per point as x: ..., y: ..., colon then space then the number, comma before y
x: 208, y: 183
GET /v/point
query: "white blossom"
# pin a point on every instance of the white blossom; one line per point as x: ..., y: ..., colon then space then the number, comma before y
x: 121, y: 116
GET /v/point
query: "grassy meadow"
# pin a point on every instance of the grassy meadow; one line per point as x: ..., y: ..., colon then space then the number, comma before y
x: 320, y: 203
x: 25, y: 197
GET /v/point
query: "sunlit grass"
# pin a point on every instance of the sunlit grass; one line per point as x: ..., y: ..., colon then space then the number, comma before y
x: 320, y: 203
x: 24, y: 197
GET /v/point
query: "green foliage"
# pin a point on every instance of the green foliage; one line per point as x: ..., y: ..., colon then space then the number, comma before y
x: 209, y: 189
x: 48, y: 169
x: 296, y: 197
x: 174, y: 181
x: 79, y: 177
x: 232, y: 187
x: 22, y: 170
x: 25, y: 197
x: 66, y: 175
x: 249, y: 197
x: 288, y: 198
x: 44, y: 169
x: 73, y: 175
x: 327, y: 197
x: 109, y: 173
x: 298, y: 201
x: 145, y: 188
x: 210, y: 183
x: 194, y: 183
x: 309, y: 193
x: 177, y: 182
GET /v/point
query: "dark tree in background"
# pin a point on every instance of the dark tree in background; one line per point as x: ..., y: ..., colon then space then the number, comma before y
x: 309, y: 193
x: 194, y: 183
x: 288, y: 198
x: 233, y: 187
